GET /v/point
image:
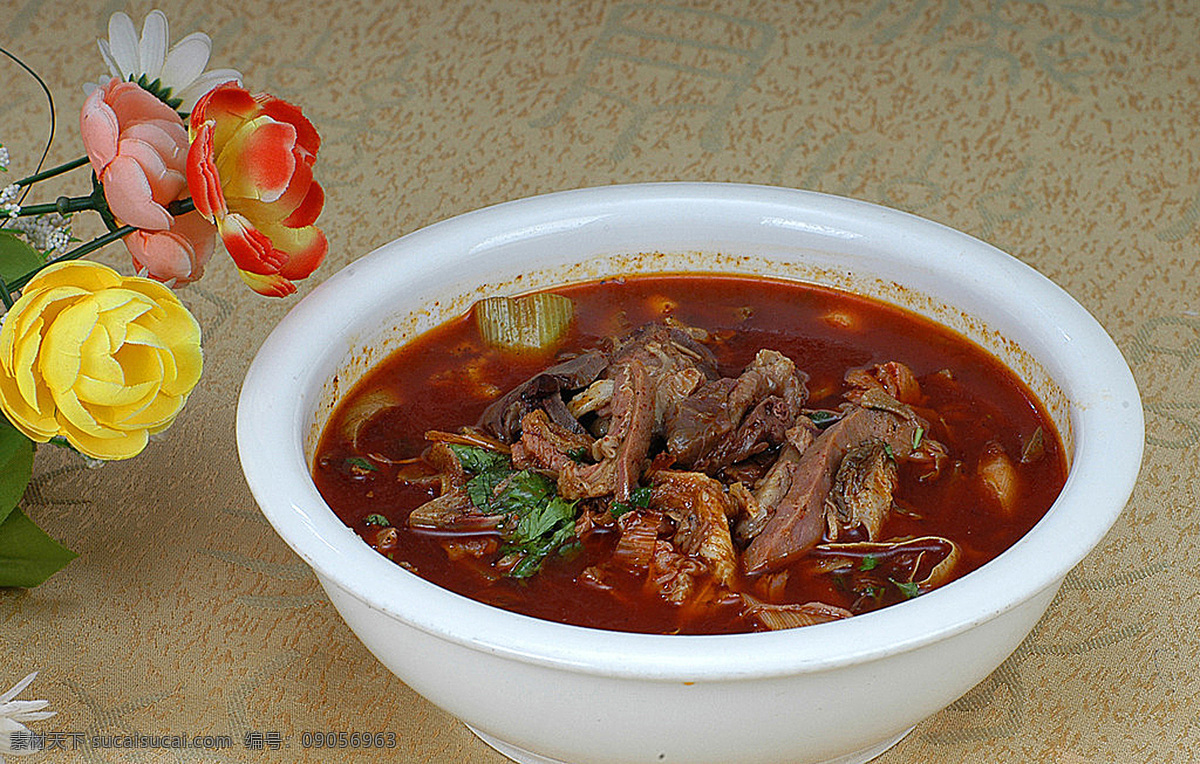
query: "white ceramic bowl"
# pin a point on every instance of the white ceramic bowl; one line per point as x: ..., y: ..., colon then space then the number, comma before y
x: 541, y: 691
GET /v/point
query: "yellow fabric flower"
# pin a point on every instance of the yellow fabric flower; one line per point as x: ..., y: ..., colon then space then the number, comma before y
x: 102, y: 359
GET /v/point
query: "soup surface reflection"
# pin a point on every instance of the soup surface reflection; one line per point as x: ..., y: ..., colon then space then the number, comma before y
x: 694, y: 454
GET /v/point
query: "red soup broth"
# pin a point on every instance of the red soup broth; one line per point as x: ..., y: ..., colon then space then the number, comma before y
x: 443, y: 380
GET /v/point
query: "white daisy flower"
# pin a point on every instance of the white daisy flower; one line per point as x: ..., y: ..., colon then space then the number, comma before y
x: 15, y: 738
x: 179, y: 70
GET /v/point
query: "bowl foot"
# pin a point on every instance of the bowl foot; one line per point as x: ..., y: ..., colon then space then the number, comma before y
x: 523, y: 756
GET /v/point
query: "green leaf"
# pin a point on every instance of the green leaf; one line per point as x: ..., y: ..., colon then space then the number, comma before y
x: 16, y: 466
x: 479, y: 460
x: 523, y: 492
x: 908, y: 588
x: 541, y: 520
x: 27, y: 555
x: 822, y: 418
x: 562, y: 540
x: 543, y: 529
x: 482, y: 488
x: 870, y: 562
x: 362, y: 464
x: 640, y: 497
x: 377, y: 520
x: 17, y: 257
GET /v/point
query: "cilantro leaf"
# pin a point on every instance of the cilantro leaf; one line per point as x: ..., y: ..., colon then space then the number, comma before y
x: 639, y: 498
x: 822, y: 418
x: 482, y: 488
x: 522, y: 492
x: 909, y: 589
x: 540, y: 522
x: 479, y: 460
x: 558, y: 538
x: 578, y: 454
x: 545, y: 519
x: 870, y: 562
x: 360, y: 464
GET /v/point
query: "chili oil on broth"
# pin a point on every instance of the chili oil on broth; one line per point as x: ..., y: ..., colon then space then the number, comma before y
x: 445, y: 378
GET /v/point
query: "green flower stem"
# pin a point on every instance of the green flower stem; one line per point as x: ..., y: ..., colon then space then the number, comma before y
x: 181, y: 206
x: 94, y: 201
x: 64, y: 205
x: 44, y: 174
x: 78, y: 252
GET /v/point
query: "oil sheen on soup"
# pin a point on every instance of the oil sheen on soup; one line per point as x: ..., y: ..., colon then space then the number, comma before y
x: 686, y: 454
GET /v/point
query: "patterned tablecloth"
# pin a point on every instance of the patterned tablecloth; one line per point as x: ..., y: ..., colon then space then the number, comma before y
x: 1064, y: 133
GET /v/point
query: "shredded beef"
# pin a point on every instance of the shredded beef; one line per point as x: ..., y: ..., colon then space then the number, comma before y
x: 662, y: 415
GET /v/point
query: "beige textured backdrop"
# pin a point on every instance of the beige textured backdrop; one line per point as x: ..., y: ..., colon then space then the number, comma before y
x: 1063, y: 132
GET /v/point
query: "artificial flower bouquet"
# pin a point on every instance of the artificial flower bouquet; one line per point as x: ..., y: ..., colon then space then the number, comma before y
x: 97, y: 361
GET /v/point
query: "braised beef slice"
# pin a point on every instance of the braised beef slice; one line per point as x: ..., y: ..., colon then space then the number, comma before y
x: 797, y: 522
x: 710, y: 429
x: 502, y: 418
x: 627, y: 441
x: 768, y: 492
x: 764, y: 427
x: 862, y: 490
x: 452, y: 509
x: 587, y: 481
x: 545, y: 445
x: 661, y: 348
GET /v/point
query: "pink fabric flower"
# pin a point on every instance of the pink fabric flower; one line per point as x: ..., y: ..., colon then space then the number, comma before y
x: 249, y: 169
x: 138, y: 147
x: 176, y: 256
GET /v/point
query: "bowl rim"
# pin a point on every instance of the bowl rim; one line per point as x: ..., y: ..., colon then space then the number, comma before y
x: 271, y: 431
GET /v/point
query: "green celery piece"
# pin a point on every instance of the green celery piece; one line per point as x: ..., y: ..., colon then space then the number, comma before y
x: 532, y: 322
